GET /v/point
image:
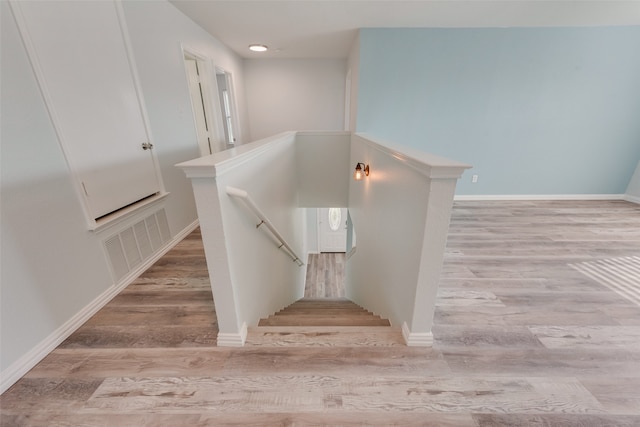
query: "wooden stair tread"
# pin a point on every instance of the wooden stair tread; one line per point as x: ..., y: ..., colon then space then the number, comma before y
x: 309, y: 322
x: 322, y: 312
x: 322, y: 321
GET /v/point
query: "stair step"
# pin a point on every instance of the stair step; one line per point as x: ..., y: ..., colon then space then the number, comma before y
x: 323, y: 312
x: 310, y: 320
x: 324, y: 336
x: 328, y: 303
x: 324, y: 306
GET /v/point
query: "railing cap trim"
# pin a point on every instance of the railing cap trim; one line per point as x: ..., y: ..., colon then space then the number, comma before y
x: 431, y: 165
x: 218, y: 163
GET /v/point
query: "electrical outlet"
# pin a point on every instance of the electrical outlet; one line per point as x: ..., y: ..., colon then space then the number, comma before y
x: 474, y: 179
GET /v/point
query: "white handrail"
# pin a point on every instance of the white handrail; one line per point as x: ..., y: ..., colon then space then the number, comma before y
x: 242, y: 194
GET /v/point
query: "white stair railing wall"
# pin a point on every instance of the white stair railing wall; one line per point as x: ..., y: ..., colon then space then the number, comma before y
x: 400, y: 213
x: 250, y: 277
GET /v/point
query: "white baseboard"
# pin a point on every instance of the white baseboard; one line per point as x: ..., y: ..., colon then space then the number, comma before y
x: 20, y: 367
x: 416, y: 339
x: 632, y: 199
x: 508, y: 197
x: 233, y: 339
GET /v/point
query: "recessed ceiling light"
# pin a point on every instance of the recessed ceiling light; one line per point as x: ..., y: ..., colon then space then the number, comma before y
x: 258, y: 48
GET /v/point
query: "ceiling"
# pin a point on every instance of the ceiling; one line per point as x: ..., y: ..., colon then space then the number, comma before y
x: 327, y: 28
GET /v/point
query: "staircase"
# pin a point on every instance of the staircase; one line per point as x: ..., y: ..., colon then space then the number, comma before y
x: 324, y: 322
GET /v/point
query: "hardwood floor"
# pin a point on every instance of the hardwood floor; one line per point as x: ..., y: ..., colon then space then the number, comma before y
x: 521, y: 338
x: 325, y: 275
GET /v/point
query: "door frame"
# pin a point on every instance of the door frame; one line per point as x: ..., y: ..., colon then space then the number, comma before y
x: 209, y: 88
x: 235, y: 123
x: 319, y: 227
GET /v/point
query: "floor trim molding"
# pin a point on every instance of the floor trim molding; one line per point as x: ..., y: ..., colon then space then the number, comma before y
x: 508, y: 197
x: 233, y: 339
x: 20, y: 367
x: 416, y: 339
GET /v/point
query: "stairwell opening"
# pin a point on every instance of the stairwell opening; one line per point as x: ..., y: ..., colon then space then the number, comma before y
x: 331, y: 240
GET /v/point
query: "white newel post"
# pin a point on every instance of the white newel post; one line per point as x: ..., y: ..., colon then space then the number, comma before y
x: 439, y: 206
x: 231, y: 332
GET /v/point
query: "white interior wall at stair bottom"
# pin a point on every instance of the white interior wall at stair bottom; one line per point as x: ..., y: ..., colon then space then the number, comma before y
x: 323, y: 168
x: 294, y: 94
x: 323, y: 173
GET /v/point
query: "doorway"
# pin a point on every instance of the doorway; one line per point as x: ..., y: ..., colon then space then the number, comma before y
x: 199, y: 93
x: 332, y: 230
x: 224, y: 82
x: 325, y: 269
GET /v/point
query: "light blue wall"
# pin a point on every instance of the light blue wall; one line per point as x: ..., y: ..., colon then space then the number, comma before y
x: 534, y: 110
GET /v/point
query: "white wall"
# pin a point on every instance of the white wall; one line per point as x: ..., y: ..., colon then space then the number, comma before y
x: 250, y: 276
x: 53, y: 268
x: 400, y: 214
x: 267, y: 278
x: 353, y: 65
x: 294, y: 94
x: 633, y: 190
x: 323, y: 172
x: 51, y: 265
x: 157, y: 31
x: 322, y: 160
x: 311, y: 232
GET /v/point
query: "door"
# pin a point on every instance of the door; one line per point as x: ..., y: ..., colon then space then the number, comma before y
x: 332, y: 229
x: 83, y: 66
x: 194, y: 76
x: 227, y: 105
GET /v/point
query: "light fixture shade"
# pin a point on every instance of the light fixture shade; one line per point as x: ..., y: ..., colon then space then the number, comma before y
x: 358, y: 174
x: 258, y: 48
x: 362, y: 170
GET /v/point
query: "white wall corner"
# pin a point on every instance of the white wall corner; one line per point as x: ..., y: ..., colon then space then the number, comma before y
x: 632, y: 199
x: 233, y: 339
x: 416, y: 339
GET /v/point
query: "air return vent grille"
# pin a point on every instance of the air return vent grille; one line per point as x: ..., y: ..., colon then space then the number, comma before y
x: 132, y: 246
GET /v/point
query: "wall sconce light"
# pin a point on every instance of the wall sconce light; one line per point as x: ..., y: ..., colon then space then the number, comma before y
x: 362, y: 170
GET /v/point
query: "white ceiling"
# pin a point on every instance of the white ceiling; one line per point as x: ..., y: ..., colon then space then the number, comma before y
x: 327, y: 28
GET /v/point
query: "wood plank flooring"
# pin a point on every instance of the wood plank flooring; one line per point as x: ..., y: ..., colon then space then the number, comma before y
x: 520, y: 339
x: 325, y: 275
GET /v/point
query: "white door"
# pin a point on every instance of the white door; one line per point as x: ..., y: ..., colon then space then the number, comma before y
x: 332, y: 229
x: 227, y: 106
x: 198, y: 104
x: 83, y: 66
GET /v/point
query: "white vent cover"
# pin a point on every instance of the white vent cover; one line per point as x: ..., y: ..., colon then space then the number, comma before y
x: 132, y: 246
